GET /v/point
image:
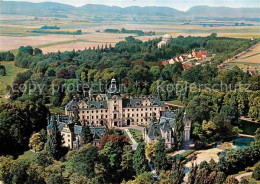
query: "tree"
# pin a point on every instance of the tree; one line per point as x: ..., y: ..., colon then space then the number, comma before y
x: 144, y: 178
x: 201, y: 177
x: 257, y: 135
x: 43, y: 159
x: 127, y: 162
x: 86, y: 135
x: 83, y: 162
x: 36, y: 142
x: 179, y: 128
x: 5, y: 167
x: 244, y: 181
x: 150, y: 151
x: 2, y: 70
x: 160, y: 161
x: 56, y: 179
x: 76, y: 117
x: 231, y: 180
x: 54, y: 141
x: 192, y: 174
x: 110, y: 158
x: 177, y: 172
x: 139, y: 160
x: 256, y: 172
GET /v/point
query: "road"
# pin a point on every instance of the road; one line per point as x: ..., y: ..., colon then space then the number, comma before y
x: 239, y: 177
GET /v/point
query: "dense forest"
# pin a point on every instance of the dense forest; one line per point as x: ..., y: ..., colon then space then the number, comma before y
x: 214, y: 100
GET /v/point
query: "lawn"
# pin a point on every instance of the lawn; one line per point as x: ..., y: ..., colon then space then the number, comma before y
x: 55, y: 110
x: 137, y: 135
x: 175, y: 103
x: 11, y: 72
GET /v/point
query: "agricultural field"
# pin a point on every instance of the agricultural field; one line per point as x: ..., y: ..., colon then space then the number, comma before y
x: 16, y: 31
x: 11, y: 72
x: 250, y: 59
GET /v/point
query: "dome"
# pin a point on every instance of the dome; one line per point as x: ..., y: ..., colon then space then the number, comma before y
x: 167, y: 36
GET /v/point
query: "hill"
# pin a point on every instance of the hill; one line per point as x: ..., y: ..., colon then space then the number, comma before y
x: 51, y: 9
x: 207, y: 11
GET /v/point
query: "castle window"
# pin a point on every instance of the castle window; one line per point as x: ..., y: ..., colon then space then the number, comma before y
x: 92, y: 117
x: 68, y: 140
x: 97, y: 117
x: 136, y: 109
x: 92, y: 111
x: 150, y: 109
x: 114, y: 101
x: 142, y: 109
x: 87, y: 117
x: 128, y: 110
x: 114, y: 107
x: 146, y: 109
x: 101, y: 111
x: 154, y: 108
x: 68, y: 135
x: 106, y: 110
x: 82, y: 112
x: 106, y: 116
x: 96, y: 111
x: 137, y: 120
x: 87, y: 112
x: 114, y: 116
x: 132, y: 115
x: 142, y: 115
x: 141, y: 120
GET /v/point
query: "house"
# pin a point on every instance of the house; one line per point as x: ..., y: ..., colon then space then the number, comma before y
x: 199, y: 55
x: 166, y: 62
x: 164, y: 129
x: 165, y: 39
x: 71, y: 132
x: 187, y: 66
x: 113, y: 110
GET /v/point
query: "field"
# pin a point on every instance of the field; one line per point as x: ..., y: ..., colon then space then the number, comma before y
x: 15, y: 31
x: 11, y: 72
x: 250, y: 59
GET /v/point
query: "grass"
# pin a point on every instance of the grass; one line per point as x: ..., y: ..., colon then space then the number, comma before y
x: 55, y: 110
x: 188, y: 152
x: 27, y: 155
x: 137, y: 134
x: 11, y: 72
x: 175, y: 103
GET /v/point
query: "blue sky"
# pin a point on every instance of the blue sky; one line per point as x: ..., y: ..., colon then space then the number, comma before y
x: 177, y: 4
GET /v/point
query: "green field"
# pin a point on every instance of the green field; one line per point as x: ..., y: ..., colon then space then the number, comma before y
x: 11, y: 72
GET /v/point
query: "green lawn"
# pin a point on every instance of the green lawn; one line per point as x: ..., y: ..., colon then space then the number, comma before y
x: 11, y: 72
x: 175, y: 103
x: 188, y: 152
x: 137, y: 134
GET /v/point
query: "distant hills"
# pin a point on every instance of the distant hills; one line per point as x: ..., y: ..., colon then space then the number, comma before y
x: 51, y: 9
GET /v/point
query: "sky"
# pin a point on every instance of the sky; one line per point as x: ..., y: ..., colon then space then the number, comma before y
x: 177, y: 4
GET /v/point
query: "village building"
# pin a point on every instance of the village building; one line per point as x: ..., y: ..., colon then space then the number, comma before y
x: 165, y: 39
x: 164, y: 129
x: 113, y: 110
x: 71, y: 132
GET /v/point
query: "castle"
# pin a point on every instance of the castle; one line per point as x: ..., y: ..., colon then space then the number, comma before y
x: 113, y: 110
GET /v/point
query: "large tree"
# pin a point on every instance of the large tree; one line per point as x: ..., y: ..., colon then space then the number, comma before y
x: 54, y: 141
x: 86, y: 135
x: 83, y: 161
x: 139, y: 160
x: 160, y: 161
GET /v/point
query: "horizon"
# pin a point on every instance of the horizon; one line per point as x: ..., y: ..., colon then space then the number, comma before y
x: 182, y: 5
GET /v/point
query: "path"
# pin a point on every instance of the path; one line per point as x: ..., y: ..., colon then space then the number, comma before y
x: 135, y: 144
x: 245, y: 135
x: 239, y: 177
x: 188, y: 145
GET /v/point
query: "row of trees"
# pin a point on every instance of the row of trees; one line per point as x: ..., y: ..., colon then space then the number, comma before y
x: 6, y: 56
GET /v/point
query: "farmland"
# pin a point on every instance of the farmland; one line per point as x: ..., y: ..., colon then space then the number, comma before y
x: 18, y: 31
x: 250, y: 59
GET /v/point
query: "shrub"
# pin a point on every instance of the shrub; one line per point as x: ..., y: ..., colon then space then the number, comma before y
x: 256, y: 172
x: 2, y: 70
